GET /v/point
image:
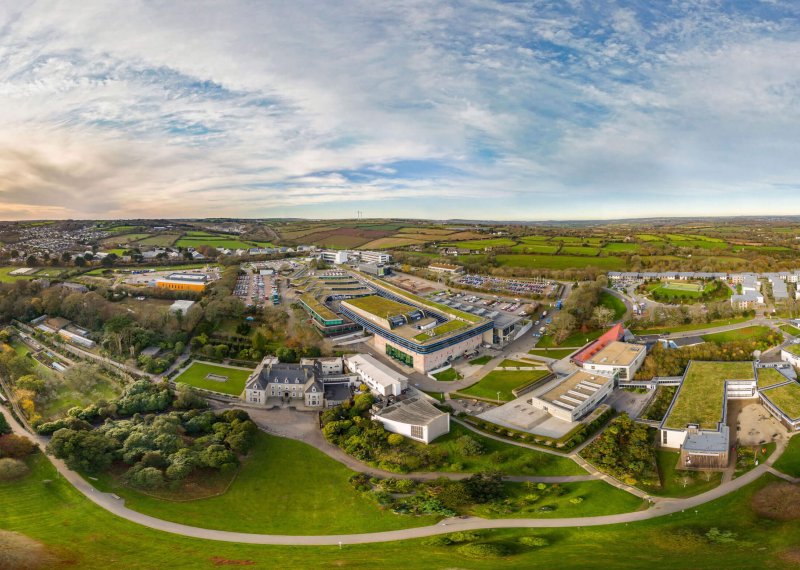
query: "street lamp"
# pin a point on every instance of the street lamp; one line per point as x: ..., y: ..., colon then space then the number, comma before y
x: 498, y: 396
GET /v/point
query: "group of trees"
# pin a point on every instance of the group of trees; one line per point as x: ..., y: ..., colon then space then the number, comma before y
x: 673, y: 361
x: 665, y: 316
x: 13, y: 450
x: 140, y: 397
x: 158, y: 448
x: 582, y: 310
x: 625, y: 451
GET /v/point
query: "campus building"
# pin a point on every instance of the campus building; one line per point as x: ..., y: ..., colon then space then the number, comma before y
x: 574, y: 396
x: 183, y: 282
x: 380, y: 379
x: 445, y: 268
x: 415, y: 418
x: 610, y: 357
x: 418, y: 333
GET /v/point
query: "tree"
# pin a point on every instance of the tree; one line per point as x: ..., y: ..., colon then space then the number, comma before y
x: 79, y: 261
x: 83, y: 450
x: 109, y: 260
x: 563, y: 324
x: 602, y: 316
x: 4, y: 427
x: 31, y: 261
x: 259, y: 342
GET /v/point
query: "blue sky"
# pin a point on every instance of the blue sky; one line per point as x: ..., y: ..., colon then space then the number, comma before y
x: 486, y: 110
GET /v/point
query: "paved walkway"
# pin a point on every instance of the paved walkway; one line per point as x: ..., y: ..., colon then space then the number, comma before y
x: 117, y: 507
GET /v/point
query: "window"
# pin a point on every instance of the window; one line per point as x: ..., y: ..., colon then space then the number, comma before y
x: 416, y: 431
x: 664, y: 437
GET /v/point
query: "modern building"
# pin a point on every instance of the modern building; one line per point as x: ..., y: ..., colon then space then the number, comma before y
x: 337, y: 257
x: 377, y: 257
x: 574, y: 396
x: 445, y: 268
x: 375, y: 269
x: 617, y: 359
x: 419, y: 333
x: 415, y: 418
x: 381, y: 379
x: 183, y: 282
x: 696, y: 421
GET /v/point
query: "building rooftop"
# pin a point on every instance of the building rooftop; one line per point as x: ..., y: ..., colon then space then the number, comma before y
x: 616, y: 354
x: 786, y: 397
x: 701, y: 396
x: 770, y: 377
x: 414, y: 411
x: 371, y: 366
x: 574, y: 389
x: 381, y: 306
x: 707, y: 441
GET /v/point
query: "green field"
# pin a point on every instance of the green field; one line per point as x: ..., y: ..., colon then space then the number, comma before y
x: 560, y: 261
x: 195, y: 375
x: 534, y: 248
x: 278, y: 490
x: 221, y: 242
x: 614, y: 303
x: 794, y: 331
x: 79, y: 534
x: 448, y: 375
x: 576, y: 339
x: 481, y: 243
x: 579, y: 250
x: 502, y: 381
x: 481, y: 360
x: 745, y: 333
x: 557, y: 353
x: 789, y: 461
x: 692, y: 326
x: 618, y: 247
x: 6, y: 278
x: 508, y: 363
x: 159, y: 240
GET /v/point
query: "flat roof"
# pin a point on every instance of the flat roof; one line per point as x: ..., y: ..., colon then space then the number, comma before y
x: 575, y: 389
x: 379, y: 372
x: 380, y: 306
x: 786, y: 397
x: 707, y: 441
x: 414, y: 411
x: 792, y: 349
x: 616, y: 353
x: 769, y: 377
x: 701, y: 396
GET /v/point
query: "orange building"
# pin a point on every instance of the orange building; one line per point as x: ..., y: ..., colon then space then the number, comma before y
x: 183, y: 282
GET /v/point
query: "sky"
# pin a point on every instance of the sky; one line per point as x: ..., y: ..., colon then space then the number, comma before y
x: 471, y: 109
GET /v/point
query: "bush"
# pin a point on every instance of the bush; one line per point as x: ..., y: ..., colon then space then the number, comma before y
x: 437, y: 541
x: 469, y: 445
x: 11, y: 469
x: 483, y: 550
x: 464, y: 536
x: 4, y: 427
x: 15, y: 446
x: 395, y: 439
x: 534, y: 541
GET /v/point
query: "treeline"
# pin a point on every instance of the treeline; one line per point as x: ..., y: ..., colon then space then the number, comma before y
x: 581, y: 311
x: 625, y: 451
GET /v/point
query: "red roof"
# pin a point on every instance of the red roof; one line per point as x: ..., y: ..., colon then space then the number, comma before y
x: 615, y: 333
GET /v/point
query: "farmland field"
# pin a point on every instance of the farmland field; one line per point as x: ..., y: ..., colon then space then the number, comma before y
x: 481, y: 243
x: 534, y: 248
x: 390, y: 242
x: 218, y: 242
x: 560, y: 261
x: 579, y: 250
x: 625, y: 247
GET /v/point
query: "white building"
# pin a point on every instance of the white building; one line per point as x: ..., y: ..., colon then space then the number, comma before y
x: 445, y: 268
x: 182, y: 306
x: 378, y: 257
x: 616, y: 358
x: 791, y: 354
x: 335, y: 257
x: 414, y: 418
x: 574, y: 396
x: 381, y: 379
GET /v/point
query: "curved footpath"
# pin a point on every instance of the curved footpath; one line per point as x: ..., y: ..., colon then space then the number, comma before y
x: 117, y: 506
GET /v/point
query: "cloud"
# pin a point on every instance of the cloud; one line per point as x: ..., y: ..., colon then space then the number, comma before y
x: 123, y: 109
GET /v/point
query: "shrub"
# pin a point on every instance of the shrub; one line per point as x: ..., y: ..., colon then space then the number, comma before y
x: 15, y: 446
x: 4, y: 427
x: 534, y: 541
x: 483, y: 550
x: 437, y: 541
x: 395, y: 439
x: 469, y: 445
x: 463, y: 536
x: 12, y: 469
x: 717, y: 536
x: 576, y: 500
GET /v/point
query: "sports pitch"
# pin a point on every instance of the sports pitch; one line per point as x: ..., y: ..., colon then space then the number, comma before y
x: 682, y: 286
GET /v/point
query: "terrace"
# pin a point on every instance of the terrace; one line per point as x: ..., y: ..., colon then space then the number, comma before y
x: 701, y: 396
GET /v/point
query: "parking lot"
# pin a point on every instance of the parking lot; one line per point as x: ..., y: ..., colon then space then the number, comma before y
x: 511, y: 286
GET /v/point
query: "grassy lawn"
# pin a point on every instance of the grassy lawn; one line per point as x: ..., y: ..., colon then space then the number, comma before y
x: 68, y: 396
x: 480, y: 360
x: 279, y: 490
x: 217, y: 242
x: 81, y: 535
x: 557, y: 353
x: 789, y: 461
x: 6, y: 277
x: 745, y: 333
x: 614, y: 303
x: 447, y: 375
x: 196, y: 374
x: 584, y: 499
x: 500, y: 456
x: 380, y: 306
x: 508, y: 363
x: 692, y: 326
x: 503, y: 381
x: 680, y: 484
x: 481, y: 243
x: 622, y: 247
x: 794, y: 331
x: 700, y: 397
